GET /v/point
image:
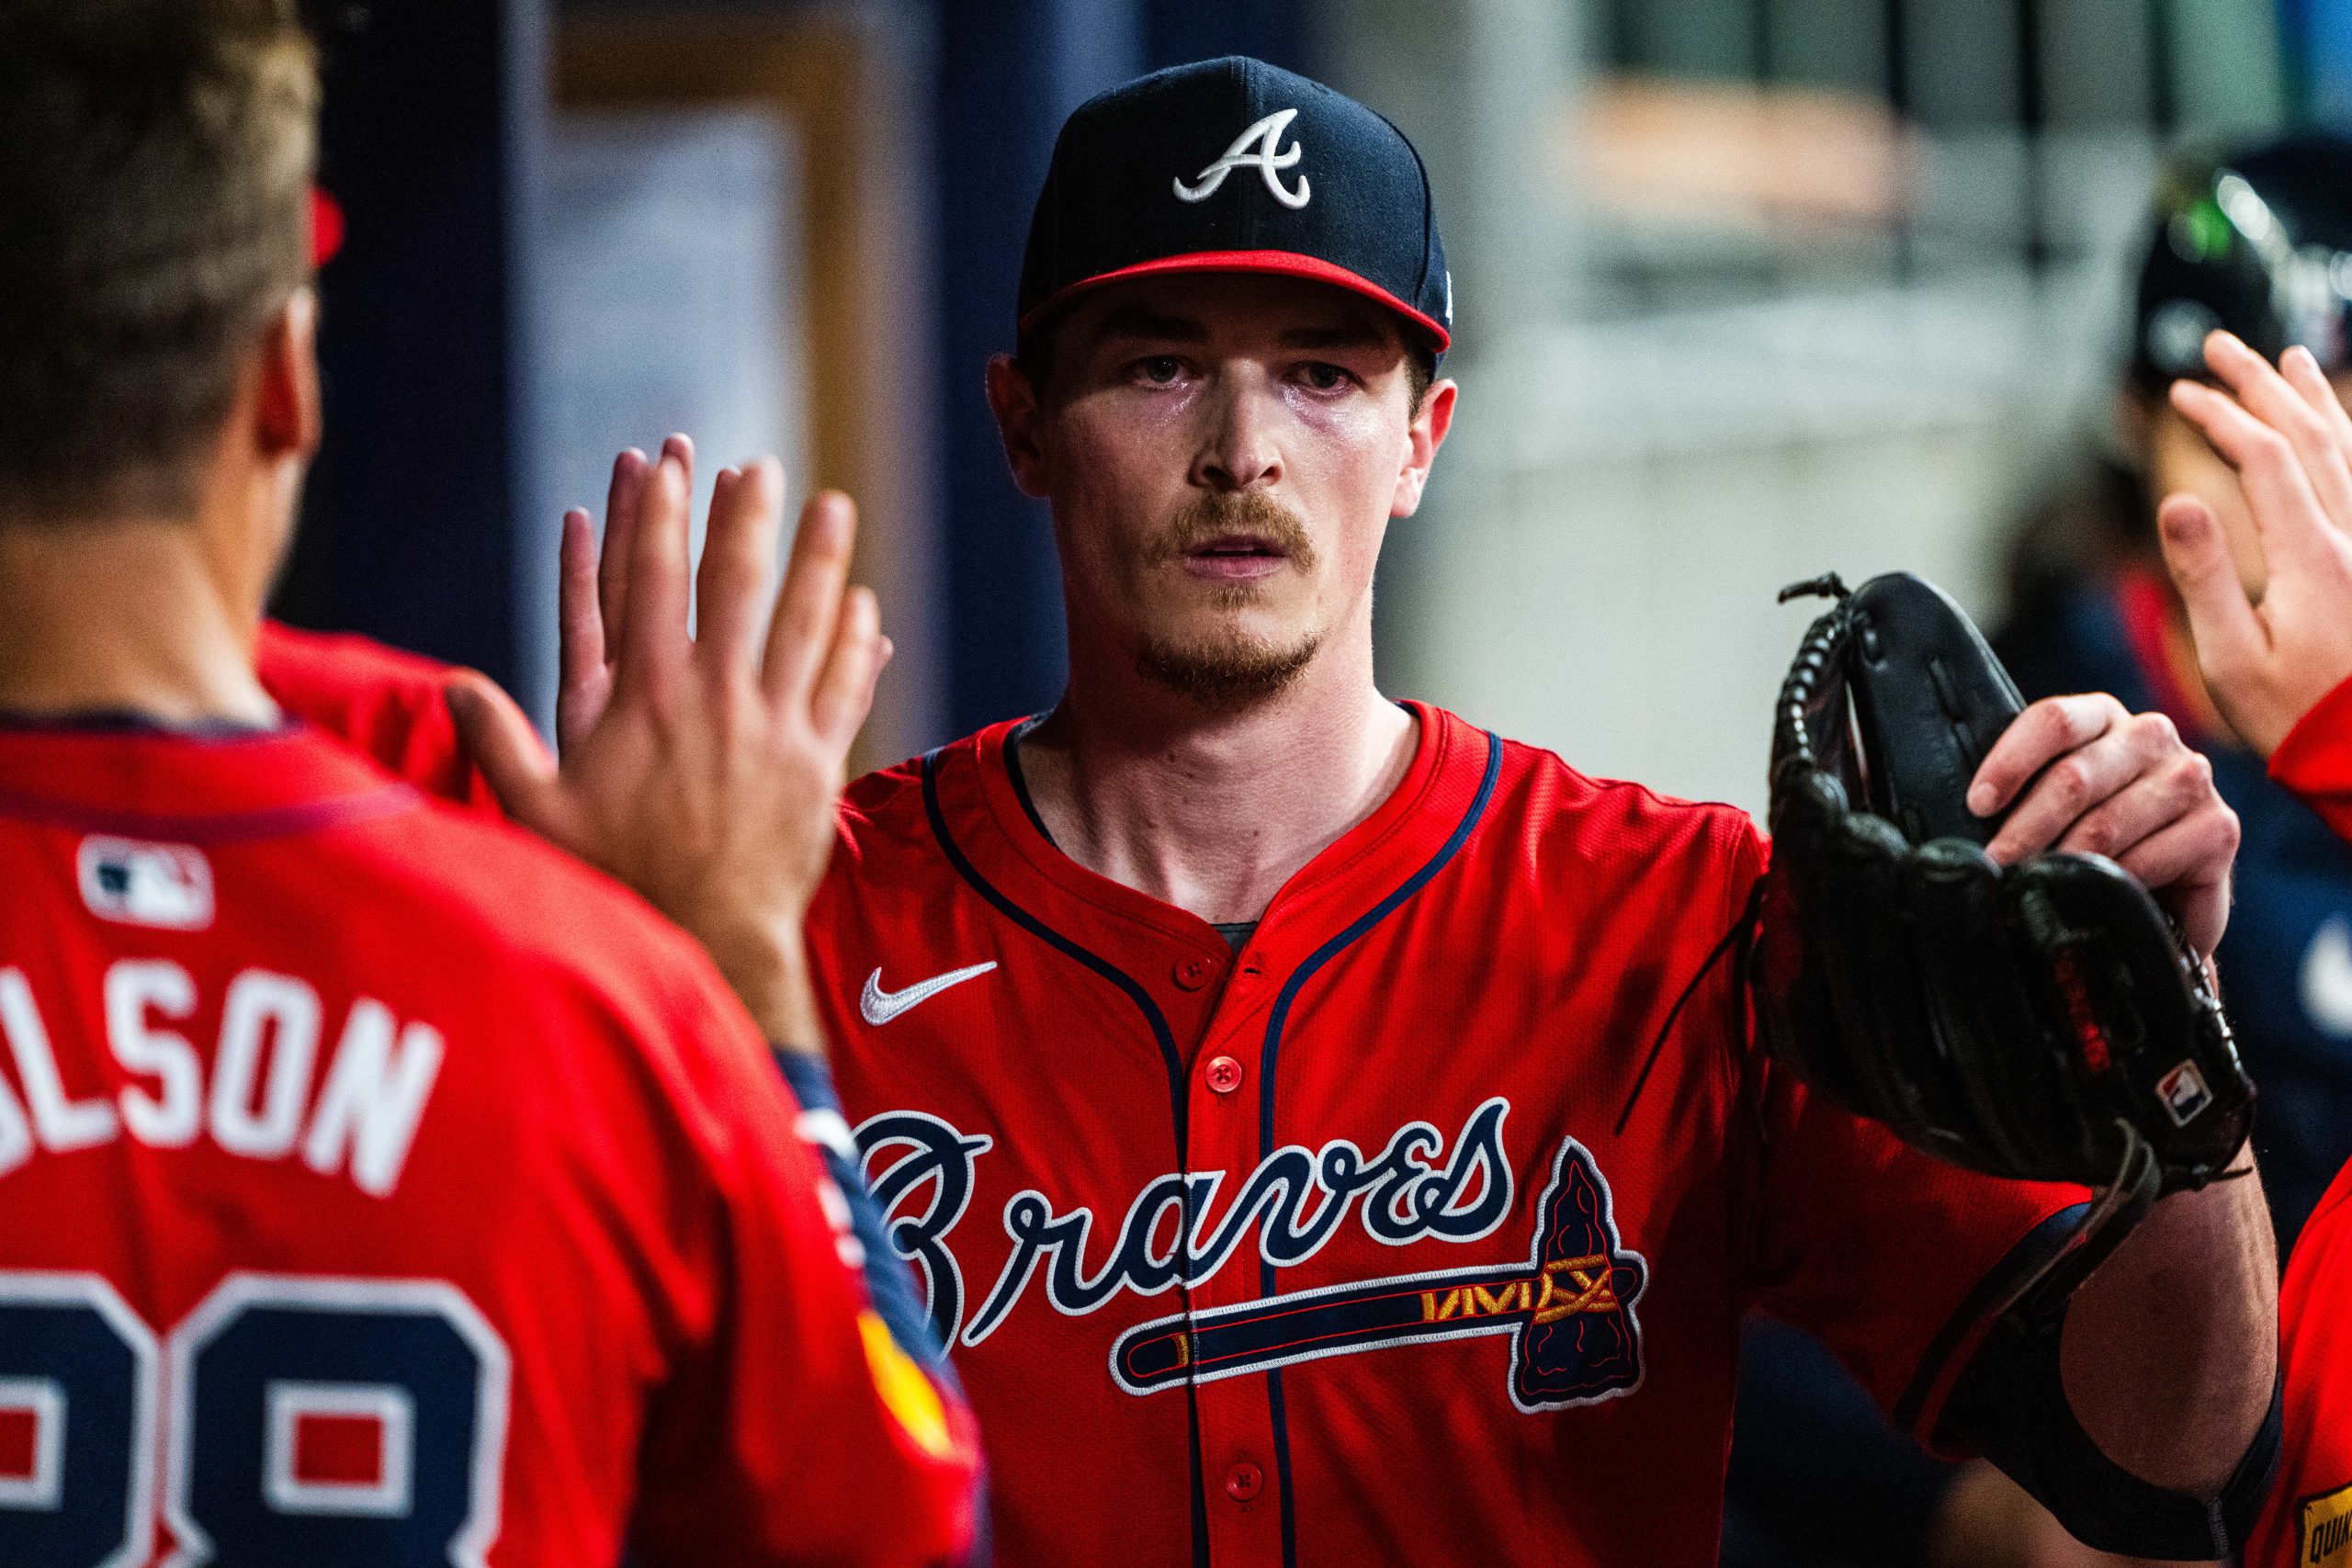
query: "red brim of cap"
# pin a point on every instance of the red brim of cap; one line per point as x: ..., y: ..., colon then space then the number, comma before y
x: 326, y: 227
x: 1284, y: 263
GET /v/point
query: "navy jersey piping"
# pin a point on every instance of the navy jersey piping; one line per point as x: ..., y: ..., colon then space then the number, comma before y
x: 226, y: 828
x: 2030, y: 1250
x: 1281, y: 1014
x: 1165, y: 1036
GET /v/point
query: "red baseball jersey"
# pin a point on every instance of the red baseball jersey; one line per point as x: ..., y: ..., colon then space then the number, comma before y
x: 2309, y: 1518
x: 378, y: 1186
x: 383, y: 700
x: 1416, y: 1231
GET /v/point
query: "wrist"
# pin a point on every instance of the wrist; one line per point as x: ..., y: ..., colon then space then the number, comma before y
x: 766, y: 966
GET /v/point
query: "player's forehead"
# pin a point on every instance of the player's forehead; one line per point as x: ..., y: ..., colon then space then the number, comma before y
x: 1232, y: 313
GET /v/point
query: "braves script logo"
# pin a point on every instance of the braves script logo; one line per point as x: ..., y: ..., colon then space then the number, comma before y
x: 1269, y: 160
x: 1569, y: 1308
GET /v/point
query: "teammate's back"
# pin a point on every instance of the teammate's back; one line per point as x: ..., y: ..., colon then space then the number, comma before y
x: 377, y: 1186
x: 380, y: 1186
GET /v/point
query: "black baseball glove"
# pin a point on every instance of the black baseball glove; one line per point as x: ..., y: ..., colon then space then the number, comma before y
x: 2042, y: 1021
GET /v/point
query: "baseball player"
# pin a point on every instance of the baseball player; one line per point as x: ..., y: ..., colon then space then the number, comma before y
x: 1330, y: 1133
x: 2268, y: 594
x: 377, y: 1186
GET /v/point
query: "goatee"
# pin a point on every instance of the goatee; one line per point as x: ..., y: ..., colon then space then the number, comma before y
x: 1234, y: 671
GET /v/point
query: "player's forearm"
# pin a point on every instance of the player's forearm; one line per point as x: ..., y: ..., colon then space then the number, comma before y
x: 2170, y: 1349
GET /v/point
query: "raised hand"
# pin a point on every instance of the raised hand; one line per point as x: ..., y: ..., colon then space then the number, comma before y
x: 2268, y: 658
x: 703, y: 771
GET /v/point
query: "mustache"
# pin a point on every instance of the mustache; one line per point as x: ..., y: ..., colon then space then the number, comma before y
x: 1214, y: 517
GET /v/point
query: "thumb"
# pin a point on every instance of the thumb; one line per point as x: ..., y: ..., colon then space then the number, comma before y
x: 505, y: 747
x: 2229, y: 638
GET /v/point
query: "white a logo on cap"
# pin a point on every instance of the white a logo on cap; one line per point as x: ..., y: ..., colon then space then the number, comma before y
x: 1266, y: 136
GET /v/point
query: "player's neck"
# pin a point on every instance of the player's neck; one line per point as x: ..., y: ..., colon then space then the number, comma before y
x: 123, y: 616
x: 1214, y: 811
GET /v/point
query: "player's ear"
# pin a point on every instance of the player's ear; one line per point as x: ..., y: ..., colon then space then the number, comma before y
x: 1014, y: 402
x: 288, y: 419
x: 1430, y: 423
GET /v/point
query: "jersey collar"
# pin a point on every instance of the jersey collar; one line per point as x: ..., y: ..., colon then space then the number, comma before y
x: 996, y: 830
x: 203, y: 784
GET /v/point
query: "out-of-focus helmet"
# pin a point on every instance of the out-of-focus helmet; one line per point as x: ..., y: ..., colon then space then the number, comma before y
x: 2257, y: 240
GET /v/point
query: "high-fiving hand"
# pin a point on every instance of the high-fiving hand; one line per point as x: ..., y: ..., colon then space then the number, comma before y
x: 2268, y: 660
x: 703, y: 771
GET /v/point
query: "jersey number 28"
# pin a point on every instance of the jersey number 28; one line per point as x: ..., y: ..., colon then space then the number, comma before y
x: 295, y: 1419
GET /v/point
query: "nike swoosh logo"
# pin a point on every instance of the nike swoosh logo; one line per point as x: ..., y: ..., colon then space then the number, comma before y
x: 879, y: 1007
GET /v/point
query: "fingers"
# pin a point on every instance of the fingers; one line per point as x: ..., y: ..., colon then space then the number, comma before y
x: 585, y: 680
x: 845, y: 693
x: 2048, y: 729
x: 2287, y: 511
x: 808, y: 605
x: 2080, y: 779
x: 2190, y: 862
x: 2229, y: 635
x: 622, y: 501
x: 2272, y: 399
x: 2302, y: 373
x: 2169, y: 790
x: 652, y: 634
x: 738, y: 563
x: 502, y: 744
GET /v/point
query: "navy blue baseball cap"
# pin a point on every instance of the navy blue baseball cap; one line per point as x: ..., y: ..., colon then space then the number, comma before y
x: 1235, y: 165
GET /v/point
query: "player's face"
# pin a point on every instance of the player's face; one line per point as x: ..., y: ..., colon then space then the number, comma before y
x: 1223, y: 453
x: 2181, y: 459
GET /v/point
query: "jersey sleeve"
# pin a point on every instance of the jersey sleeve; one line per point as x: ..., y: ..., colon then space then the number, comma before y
x: 798, y: 1430
x: 378, y: 700
x: 1894, y: 1258
x: 2315, y: 760
x: 2308, y: 1518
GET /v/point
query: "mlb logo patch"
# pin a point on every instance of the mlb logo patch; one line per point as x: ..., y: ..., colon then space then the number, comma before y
x: 340, y: 1448
x: 2183, y: 1093
x: 141, y: 883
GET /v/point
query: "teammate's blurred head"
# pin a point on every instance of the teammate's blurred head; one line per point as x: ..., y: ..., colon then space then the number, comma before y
x: 2254, y: 240
x: 1230, y: 316
x: 155, y: 167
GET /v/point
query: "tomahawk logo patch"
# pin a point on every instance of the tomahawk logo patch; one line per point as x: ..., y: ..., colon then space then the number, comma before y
x: 1569, y: 1311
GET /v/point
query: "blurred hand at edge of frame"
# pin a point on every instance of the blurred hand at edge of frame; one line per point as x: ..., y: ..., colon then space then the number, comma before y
x: 703, y: 771
x: 1987, y: 1520
x: 2287, y: 435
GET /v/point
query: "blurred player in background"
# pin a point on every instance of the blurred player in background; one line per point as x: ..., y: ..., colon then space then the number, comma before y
x: 2256, y: 242
x: 2268, y: 589
x: 376, y: 1185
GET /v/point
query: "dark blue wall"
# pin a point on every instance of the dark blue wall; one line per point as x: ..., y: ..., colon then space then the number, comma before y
x: 408, y: 522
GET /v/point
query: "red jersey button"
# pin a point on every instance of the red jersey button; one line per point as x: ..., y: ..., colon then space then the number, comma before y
x: 1223, y: 1074
x: 1243, y: 1481
x: 1194, y: 973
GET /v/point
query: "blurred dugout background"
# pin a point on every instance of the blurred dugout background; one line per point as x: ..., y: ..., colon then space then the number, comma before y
x: 1748, y: 289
